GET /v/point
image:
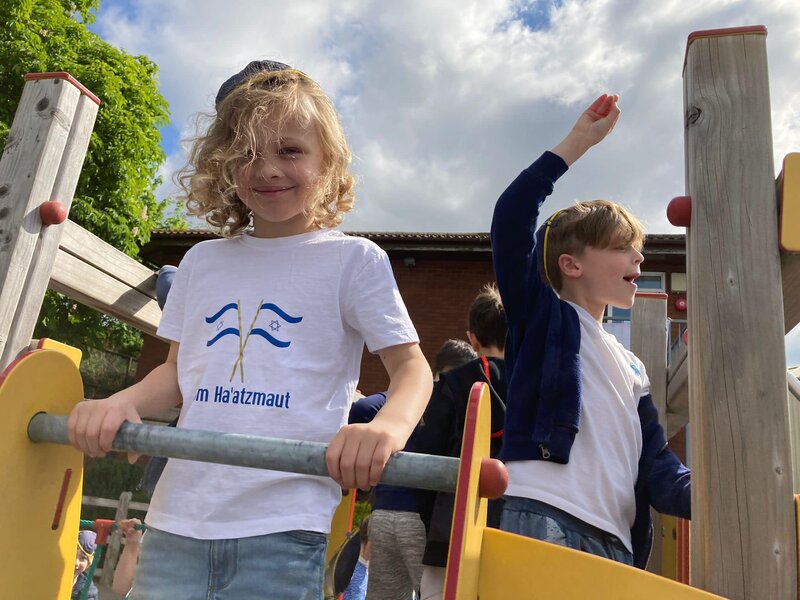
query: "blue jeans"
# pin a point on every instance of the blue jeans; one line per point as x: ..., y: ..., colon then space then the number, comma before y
x: 541, y: 521
x: 278, y: 566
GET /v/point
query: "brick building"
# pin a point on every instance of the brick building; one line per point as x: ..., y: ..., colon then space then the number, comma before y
x: 438, y: 275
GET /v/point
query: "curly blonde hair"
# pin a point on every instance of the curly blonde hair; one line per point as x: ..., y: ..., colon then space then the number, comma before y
x: 265, y: 102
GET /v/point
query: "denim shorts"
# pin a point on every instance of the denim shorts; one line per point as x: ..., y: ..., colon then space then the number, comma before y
x: 534, y: 519
x: 278, y: 566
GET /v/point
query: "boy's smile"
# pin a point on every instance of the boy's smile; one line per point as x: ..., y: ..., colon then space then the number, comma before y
x: 281, y: 181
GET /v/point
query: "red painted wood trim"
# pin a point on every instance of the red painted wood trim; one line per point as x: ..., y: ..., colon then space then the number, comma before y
x: 460, y: 506
x: 67, y: 77
x: 709, y: 33
x: 60, y: 502
x: 656, y: 295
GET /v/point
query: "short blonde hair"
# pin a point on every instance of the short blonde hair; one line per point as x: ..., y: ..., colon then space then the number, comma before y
x: 265, y: 101
x: 597, y: 223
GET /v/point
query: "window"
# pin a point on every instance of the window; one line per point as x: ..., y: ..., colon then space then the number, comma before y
x: 678, y: 282
x: 650, y: 282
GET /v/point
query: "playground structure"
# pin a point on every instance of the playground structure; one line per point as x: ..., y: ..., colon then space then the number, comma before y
x: 744, y: 531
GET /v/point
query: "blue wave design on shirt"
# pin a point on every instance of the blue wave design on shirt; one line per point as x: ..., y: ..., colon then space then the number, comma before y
x: 276, y: 309
x: 222, y: 310
x: 269, y: 338
x: 224, y: 332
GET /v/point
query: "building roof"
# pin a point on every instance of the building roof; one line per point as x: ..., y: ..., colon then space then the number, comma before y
x: 165, y: 240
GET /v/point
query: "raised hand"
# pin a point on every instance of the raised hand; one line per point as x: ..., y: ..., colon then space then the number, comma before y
x: 594, y: 124
x: 599, y: 119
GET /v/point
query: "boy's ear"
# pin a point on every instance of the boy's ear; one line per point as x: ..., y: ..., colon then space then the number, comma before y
x: 570, y: 266
x: 473, y: 341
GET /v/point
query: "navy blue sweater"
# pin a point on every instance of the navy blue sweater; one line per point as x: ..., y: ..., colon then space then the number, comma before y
x: 543, y: 366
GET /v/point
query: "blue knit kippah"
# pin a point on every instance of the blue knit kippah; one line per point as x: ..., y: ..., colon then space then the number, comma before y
x: 254, y: 67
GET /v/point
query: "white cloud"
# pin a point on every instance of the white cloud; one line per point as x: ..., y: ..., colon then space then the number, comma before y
x: 444, y: 102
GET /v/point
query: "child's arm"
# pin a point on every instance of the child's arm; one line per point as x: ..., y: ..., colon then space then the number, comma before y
x: 517, y: 209
x: 668, y: 481
x: 93, y: 424
x: 358, y: 453
x: 126, y: 566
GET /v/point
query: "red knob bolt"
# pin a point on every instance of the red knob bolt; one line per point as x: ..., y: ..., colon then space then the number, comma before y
x: 679, y: 211
x: 493, y: 480
x: 52, y: 213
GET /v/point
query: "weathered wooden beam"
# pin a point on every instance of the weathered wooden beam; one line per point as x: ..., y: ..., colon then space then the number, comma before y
x: 744, y: 535
x: 41, y: 162
x: 649, y: 343
x: 101, y: 255
x: 85, y: 283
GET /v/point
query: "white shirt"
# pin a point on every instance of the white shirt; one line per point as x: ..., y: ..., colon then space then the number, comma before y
x: 597, y: 484
x: 271, y: 334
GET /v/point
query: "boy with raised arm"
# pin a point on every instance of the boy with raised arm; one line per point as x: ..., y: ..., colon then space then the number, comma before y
x: 585, y: 453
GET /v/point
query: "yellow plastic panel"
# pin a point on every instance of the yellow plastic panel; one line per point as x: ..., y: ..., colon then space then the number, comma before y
x: 38, y: 550
x: 789, y: 192
x: 522, y: 568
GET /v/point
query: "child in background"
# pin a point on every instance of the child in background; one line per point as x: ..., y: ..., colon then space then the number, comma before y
x: 267, y: 328
x: 444, y: 420
x: 585, y: 453
x: 125, y: 570
x: 357, y: 588
x: 397, y: 530
x: 87, y: 544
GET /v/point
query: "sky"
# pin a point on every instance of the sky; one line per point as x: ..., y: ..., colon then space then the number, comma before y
x: 445, y: 101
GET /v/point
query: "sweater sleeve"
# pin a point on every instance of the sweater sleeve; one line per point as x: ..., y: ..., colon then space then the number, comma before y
x: 669, y: 482
x: 513, y: 227
x: 433, y: 436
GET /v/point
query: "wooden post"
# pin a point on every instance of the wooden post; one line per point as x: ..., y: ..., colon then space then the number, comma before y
x: 649, y: 343
x: 743, y: 526
x: 115, y: 541
x: 42, y: 160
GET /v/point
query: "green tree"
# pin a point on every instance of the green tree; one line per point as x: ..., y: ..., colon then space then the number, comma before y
x: 115, y: 198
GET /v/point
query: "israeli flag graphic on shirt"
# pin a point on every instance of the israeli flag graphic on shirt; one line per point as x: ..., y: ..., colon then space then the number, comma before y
x: 275, y: 326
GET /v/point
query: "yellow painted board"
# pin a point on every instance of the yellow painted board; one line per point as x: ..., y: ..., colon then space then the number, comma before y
x: 469, y: 510
x: 74, y: 353
x: 38, y: 550
x: 513, y: 566
x: 341, y: 523
x: 789, y: 196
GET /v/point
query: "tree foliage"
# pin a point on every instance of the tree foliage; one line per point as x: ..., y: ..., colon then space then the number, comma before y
x: 115, y: 197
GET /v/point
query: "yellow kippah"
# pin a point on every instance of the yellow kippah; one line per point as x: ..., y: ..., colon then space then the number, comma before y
x: 548, y: 224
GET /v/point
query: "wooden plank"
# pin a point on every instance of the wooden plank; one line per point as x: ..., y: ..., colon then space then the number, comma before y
x: 115, y: 540
x: 743, y: 526
x: 85, y: 284
x: 106, y: 258
x: 678, y: 393
x: 649, y: 343
x: 111, y: 503
x: 28, y: 168
x: 790, y: 279
x: 27, y: 313
x: 793, y: 402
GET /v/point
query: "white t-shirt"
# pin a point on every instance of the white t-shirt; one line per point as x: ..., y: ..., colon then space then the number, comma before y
x: 271, y: 334
x: 597, y: 484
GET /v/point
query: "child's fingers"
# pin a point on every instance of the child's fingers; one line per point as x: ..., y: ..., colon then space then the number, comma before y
x: 380, y: 456
x: 94, y: 423
x: 333, y: 456
x: 348, y: 462
x: 595, y: 106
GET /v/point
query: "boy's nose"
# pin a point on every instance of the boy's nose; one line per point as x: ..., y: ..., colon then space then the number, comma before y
x: 638, y: 257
